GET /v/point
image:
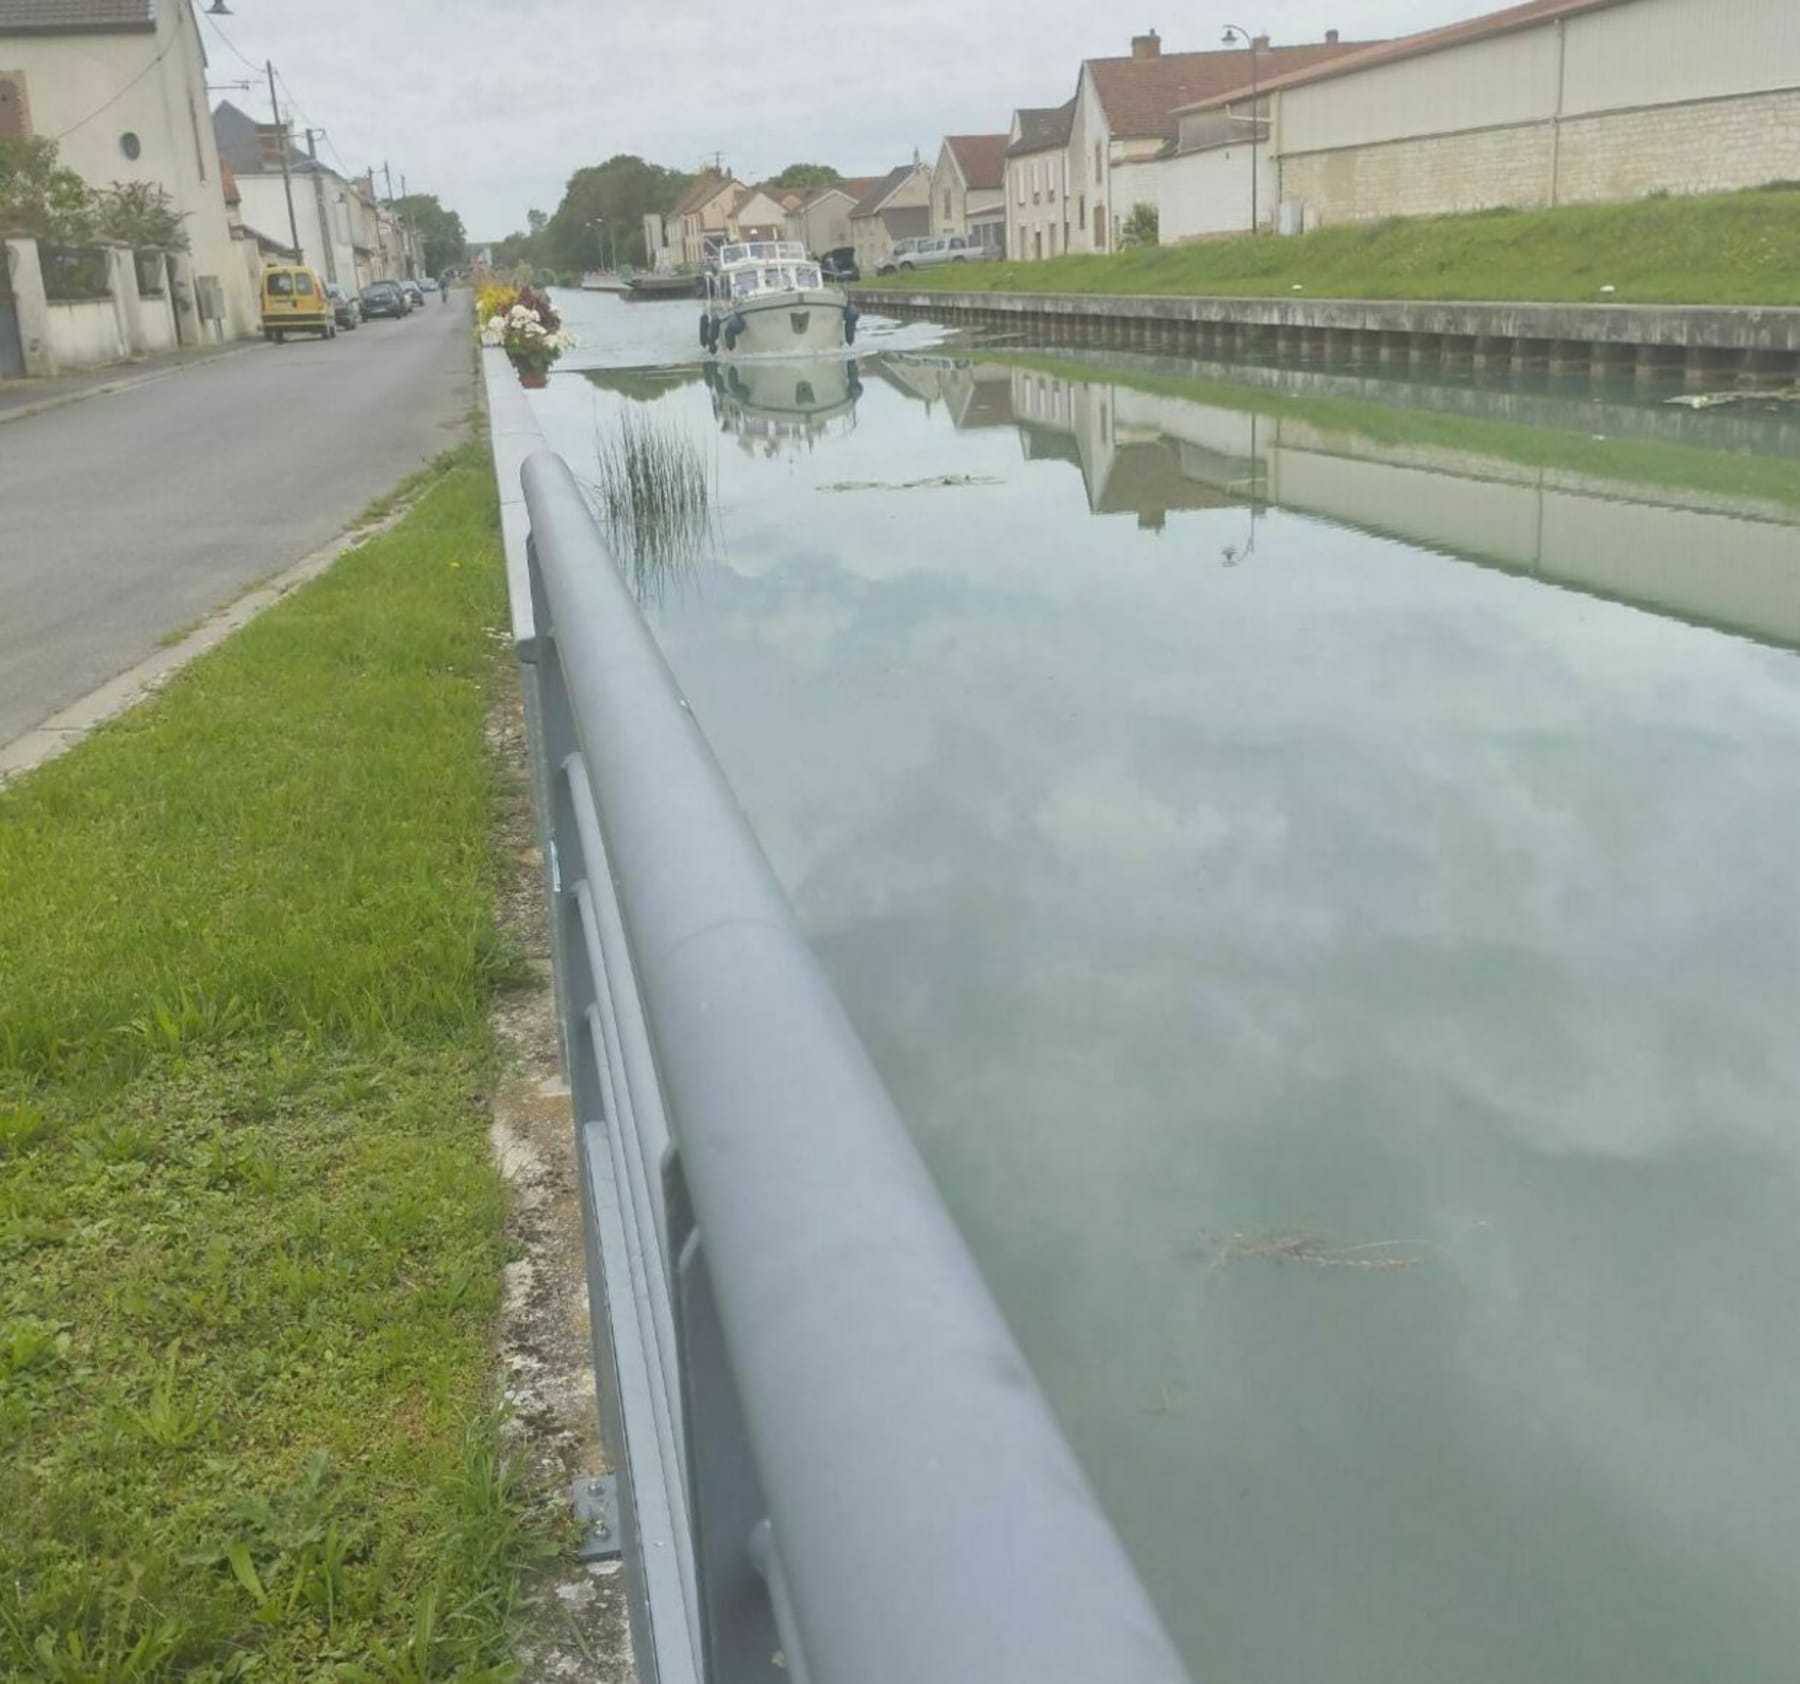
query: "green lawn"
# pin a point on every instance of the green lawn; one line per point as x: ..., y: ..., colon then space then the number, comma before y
x: 251, y: 1233
x: 1732, y: 248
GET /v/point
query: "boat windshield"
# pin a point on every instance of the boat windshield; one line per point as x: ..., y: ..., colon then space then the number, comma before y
x: 785, y: 277
x: 762, y: 251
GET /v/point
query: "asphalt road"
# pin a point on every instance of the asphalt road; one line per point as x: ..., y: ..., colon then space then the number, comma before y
x: 129, y: 516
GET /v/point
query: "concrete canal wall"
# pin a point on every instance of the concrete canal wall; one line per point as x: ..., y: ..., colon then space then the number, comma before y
x: 1707, y: 345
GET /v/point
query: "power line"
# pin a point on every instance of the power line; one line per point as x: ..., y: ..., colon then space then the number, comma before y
x: 251, y: 63
x: 107, y: 106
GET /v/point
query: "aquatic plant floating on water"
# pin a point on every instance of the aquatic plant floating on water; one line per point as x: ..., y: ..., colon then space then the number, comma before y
x: 1318, y: 1251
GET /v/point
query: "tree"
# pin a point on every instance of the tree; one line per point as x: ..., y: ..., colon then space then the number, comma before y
x: 1142, y: 226
x: 41, y: 197
x: 617, y: 195
x: 440, y: 231
x: 141, y: 215
x: 808, y: 175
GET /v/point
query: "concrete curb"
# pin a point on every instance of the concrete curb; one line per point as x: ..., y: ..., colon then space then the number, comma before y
x: 61, y: 400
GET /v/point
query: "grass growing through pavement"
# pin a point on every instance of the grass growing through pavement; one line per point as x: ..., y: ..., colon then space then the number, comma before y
x: 250, y: 1231
x: 1729, y: 248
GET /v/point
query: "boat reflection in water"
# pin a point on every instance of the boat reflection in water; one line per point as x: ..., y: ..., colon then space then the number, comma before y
x: 778, y: 408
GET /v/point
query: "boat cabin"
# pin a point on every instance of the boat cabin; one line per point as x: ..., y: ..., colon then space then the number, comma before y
x: 763, y: 266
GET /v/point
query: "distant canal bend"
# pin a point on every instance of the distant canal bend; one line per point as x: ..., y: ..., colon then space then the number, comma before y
x: 1312, y: 856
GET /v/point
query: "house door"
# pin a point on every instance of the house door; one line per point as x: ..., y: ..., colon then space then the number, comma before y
x: 12, y: 352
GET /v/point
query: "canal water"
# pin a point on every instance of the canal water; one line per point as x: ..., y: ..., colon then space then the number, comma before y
x: 1314, y: 860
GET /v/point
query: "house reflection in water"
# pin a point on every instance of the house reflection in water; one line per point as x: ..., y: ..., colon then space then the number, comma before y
x: 1715, y: 557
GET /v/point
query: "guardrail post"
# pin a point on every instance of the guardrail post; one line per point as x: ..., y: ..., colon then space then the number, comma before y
x: 726, y: 1503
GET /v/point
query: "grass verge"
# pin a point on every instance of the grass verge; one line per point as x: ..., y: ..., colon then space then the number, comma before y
x: 1644, y: 462
x: 250, y: 1230
x: 1728, y: 248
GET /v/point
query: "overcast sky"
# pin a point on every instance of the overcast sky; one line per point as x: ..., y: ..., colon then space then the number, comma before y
x: 491, y: 104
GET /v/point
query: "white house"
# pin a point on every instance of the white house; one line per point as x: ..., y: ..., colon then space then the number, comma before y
x: 702, y: 215
x: 121, y: 87
x: 1551, y: 102
x: 1037, y: 207
x: 968, y: 188
x: 822, y: 222
x: 897, y: 207
x: 1124, y: 120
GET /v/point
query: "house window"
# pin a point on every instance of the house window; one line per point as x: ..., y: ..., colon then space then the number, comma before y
x: 1081, y: 210
x: 1096, y: 163
x: 946, y: 204
x: 1037, y: 243
x: 1099, y: 227
x: 1053, y: 239
x: 199, y: 151
x: 1023, y: 248
x: 1019, y: 188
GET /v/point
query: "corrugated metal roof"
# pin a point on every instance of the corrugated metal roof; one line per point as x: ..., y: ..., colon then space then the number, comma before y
x: 58, y: 17
x: 1368, y: 56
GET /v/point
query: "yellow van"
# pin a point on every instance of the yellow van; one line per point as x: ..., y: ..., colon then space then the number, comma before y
x: 294, y: 300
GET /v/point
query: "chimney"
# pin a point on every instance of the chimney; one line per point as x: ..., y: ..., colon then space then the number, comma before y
x: 1331, y: 37
x: 1261, y: 44
x: 1148, y: 45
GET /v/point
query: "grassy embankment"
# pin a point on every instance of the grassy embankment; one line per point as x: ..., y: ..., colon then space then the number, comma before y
x: 1730, y: 248
x: 1648, y: 462
x: 250, y: 1230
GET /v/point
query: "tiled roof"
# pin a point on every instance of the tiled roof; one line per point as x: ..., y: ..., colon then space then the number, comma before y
x: 1042, y: 127
x: 1369, y: 54
x: 980, y: 157
x: 857, y: 185
x: 1141, y: 95
x: 56, y: 17
x: 870, y: 202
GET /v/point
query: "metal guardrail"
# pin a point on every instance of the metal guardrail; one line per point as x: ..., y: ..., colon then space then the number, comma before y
x: 835, y: 1465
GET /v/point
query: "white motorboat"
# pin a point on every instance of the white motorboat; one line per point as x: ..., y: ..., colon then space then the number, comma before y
x: 766, y: 296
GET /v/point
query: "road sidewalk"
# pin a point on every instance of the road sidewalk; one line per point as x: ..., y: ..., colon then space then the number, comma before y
x: 21, y: 398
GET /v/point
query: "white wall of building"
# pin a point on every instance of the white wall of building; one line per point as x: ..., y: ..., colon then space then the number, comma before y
x: 1638, y: 97
x: 1090, y: 225
x: 92, y: 89
x: 1036, y: 203
x: 1201, y: 195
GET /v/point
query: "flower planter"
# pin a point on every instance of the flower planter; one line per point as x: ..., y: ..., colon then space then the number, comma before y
x: 524, y: 324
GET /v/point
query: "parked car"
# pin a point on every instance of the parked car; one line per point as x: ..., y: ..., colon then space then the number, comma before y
x: 839, y: 264
x: 383, y: 298
x: 902, y: 250
x: 951, y: 248
x: 414, y: 295
x: 345, y: 309
x: 294, y: 301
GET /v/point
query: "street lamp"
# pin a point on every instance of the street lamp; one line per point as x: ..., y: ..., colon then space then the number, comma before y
x: 1235, y: 32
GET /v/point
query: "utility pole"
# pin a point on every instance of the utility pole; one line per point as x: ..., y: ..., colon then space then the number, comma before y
x: 325, y: 231
x: 287, y: 181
